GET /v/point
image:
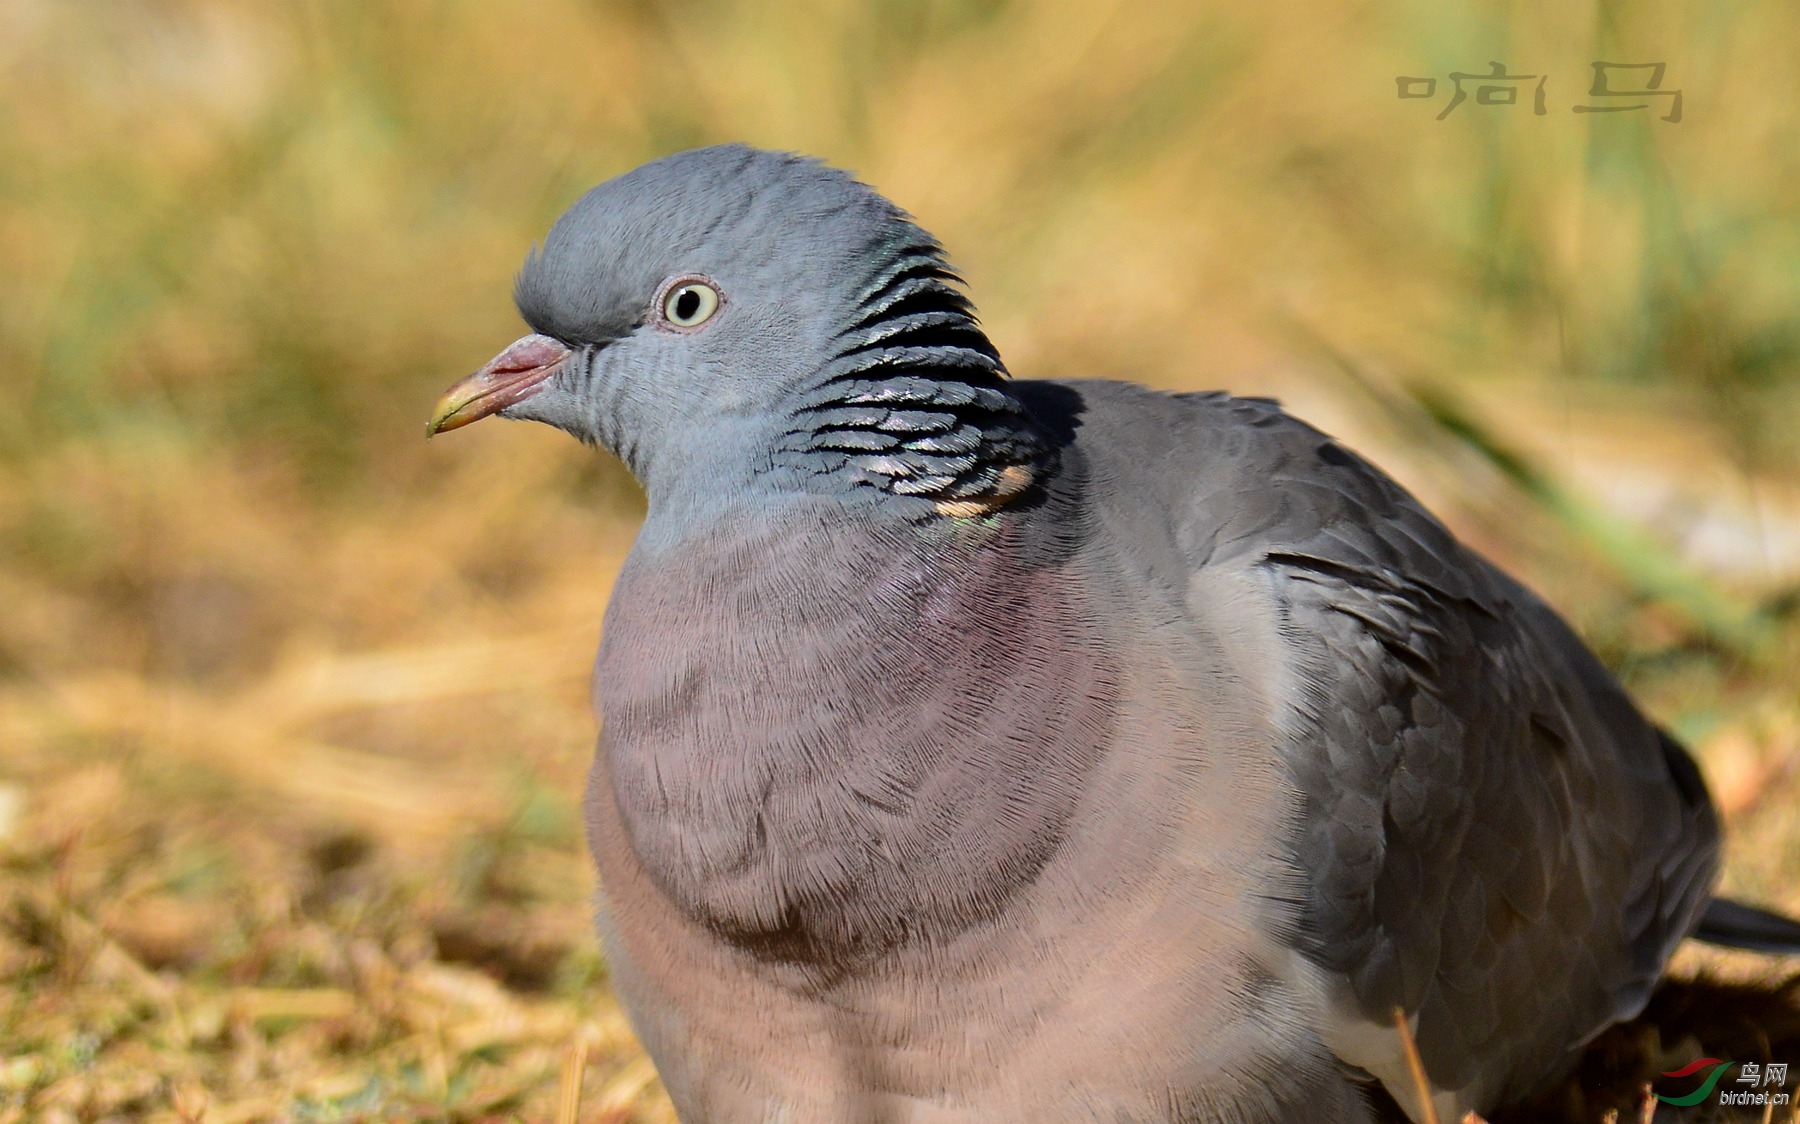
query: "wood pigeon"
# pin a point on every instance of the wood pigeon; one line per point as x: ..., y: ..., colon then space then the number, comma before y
x: 991, y: 750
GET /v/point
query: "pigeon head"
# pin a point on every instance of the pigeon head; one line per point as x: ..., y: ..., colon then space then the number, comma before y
x: 730, y: 319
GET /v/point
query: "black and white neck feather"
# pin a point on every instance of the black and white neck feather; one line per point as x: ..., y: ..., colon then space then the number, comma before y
x: 913, y: 401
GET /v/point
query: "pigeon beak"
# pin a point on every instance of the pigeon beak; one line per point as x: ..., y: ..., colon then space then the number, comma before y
x: 509, y: 378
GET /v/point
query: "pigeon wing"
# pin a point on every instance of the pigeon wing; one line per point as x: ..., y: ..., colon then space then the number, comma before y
x: 1497, y: 842
x: 1493, y: 838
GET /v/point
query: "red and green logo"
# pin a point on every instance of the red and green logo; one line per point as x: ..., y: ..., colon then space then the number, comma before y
x: 1706, y: 1087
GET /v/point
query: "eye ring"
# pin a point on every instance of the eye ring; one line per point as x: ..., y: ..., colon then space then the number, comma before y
x: 685, y: 304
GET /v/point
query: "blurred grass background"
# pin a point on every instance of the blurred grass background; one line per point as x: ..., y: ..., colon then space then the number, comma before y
x: 292, y: 704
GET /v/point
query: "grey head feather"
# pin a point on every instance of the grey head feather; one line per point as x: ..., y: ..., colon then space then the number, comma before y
x: 845, y: 358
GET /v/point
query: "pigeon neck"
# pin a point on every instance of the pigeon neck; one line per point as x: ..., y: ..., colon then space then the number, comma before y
x: 904, y: 451
x: 913, y: 401
x: 939, y: 445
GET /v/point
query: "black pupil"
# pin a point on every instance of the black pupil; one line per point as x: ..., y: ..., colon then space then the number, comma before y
x: 687, y: 302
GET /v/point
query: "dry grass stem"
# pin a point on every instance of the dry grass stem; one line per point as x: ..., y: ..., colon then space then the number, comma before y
x: 574, y: 1070
x: 1416, y: 1067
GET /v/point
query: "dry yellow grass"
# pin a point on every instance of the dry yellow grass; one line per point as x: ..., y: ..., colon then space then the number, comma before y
x: 293, y: 716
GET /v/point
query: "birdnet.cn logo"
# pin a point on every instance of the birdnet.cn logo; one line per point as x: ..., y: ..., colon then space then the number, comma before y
x: 1756, y: 1076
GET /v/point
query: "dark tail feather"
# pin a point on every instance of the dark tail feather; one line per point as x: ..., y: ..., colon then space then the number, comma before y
x: 1736, y: 925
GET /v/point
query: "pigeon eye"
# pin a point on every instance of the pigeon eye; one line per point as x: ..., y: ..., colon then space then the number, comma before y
x: 690, y: 303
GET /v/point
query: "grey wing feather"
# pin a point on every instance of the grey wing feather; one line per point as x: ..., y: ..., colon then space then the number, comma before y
x: 1497, y: 841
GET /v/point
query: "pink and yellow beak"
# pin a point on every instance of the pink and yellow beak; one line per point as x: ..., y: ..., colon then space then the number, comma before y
x: 509, y: 378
